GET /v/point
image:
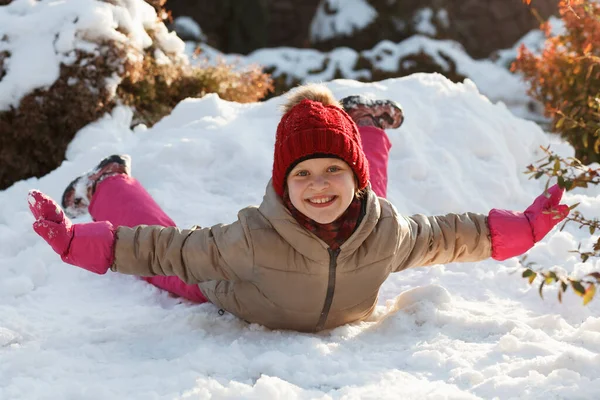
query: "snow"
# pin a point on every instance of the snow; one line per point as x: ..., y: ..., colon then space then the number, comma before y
x: 335, y: 18
x: 456, y: 331
x: 423, y: 23
x: 187, y: 27
x: 443, y: 18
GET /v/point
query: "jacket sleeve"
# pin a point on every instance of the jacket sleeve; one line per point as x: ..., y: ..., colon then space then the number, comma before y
x: 443, y: 239
x: 222, y: 252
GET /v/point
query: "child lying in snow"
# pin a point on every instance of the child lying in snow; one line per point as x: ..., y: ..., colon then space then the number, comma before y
x: 314, y: 254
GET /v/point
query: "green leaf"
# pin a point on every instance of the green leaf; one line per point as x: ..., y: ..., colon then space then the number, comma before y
x: 527, y: 273
x: 540, y: 289
x: 532, y: 278
x: 563, y: 286
x: 568, y: 185
x: 573, y: 206
x: 578, y: 288
x: 560, y: 123
x: 592, y: 229
x: 550, y: 278
x: 556, y: 167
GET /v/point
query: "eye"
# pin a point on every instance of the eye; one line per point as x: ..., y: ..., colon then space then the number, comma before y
x: 301, y: 173
x: 334, y: 168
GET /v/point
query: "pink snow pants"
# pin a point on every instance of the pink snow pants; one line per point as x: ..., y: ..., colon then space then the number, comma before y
x: 123, y: 201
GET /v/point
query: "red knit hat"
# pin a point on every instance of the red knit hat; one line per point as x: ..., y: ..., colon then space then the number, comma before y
x: 312, y: 128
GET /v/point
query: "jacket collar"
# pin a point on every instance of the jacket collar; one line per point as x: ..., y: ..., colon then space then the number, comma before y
x: 304, y: 241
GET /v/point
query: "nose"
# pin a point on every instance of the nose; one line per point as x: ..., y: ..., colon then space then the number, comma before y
x: 319, y: 182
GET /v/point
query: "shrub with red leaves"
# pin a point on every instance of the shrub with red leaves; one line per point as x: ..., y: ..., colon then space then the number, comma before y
x: 565, y: 77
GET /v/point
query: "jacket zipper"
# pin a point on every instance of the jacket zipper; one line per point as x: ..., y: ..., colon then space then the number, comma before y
x: 333, y: 254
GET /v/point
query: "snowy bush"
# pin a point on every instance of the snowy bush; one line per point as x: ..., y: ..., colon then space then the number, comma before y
x: 65, y: 64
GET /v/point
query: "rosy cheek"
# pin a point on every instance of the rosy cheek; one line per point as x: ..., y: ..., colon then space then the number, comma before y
x: 293, y: 192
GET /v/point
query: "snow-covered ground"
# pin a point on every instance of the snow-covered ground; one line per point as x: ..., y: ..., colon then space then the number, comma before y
x: 455, y: 331
x: 459, y: 331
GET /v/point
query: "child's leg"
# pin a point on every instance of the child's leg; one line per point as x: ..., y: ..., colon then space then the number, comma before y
x: 123, y: 201
x: 376, y: 146
x: 372, y: 116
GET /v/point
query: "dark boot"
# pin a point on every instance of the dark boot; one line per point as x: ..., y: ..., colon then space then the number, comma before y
x: 78, y: 194
x: 383, y: 114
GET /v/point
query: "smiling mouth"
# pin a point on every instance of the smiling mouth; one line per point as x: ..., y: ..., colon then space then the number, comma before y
x: 321, y: 201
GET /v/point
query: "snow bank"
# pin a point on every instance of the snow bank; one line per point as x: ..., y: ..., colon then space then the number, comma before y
x: 458, y: 331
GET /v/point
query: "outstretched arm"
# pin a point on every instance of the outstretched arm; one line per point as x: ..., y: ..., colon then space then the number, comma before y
x: 442, y: 239
x: 472, y: 237
x: 222, y: 252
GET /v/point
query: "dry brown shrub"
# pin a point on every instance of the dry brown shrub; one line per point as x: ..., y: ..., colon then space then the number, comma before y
x: 153, y: 89
x: 35, y: 135
x: 230, y: 81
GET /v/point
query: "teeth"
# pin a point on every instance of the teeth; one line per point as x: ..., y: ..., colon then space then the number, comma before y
x: 321, y: 200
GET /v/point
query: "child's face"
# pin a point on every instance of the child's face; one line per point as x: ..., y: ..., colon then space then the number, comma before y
x: 321, y: 188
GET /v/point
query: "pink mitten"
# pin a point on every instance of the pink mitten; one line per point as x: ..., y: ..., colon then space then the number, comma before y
x: 89, y: 246
x: 513, y: 233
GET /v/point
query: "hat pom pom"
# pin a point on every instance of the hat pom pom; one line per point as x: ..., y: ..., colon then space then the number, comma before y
x: 313, y: 92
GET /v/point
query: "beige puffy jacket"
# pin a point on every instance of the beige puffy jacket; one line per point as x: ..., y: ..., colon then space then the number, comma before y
x: 266, y: 268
